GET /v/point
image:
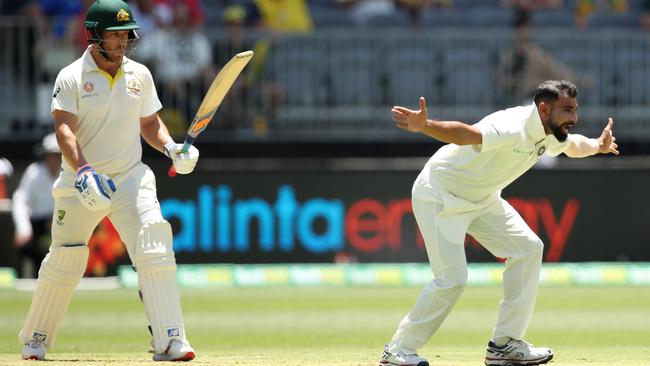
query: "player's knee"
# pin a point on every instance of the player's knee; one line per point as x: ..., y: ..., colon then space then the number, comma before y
x: 452, y: 280
x: 154, y: 249
x: 65, y: 264
x: 534, y: 247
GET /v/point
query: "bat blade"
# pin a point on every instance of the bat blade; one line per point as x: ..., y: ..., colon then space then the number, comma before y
x: 217, y: 91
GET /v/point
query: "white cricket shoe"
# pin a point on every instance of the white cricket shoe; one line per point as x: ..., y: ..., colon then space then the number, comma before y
x: 401, y: 359
x: 517, y: 352
x: 176, y: 351
x: 34, y: 350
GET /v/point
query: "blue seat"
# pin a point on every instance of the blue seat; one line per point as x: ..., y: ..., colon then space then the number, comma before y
x: 355, y: 76
x: 411, y: 72
x: 552, y: 18
x: 468, y: 73
x: 612, y: 20
x: 443, y: 18
x: 489, y: 17
x: 323, y: 17
x: 299, y: 68
x: 398, y: 19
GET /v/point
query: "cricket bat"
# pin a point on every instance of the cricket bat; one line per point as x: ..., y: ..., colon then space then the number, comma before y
x: 213, y: 98
x: 217, y: 91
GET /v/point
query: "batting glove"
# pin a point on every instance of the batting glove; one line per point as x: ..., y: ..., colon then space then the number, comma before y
x: 184, y: 163
x: 94, y: 189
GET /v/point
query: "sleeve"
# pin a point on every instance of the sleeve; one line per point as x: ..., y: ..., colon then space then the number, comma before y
x: 499, y: 131
x: 151, y: 104
x: 20, y: 208
x: 582, y: 146
x: 66, y: 90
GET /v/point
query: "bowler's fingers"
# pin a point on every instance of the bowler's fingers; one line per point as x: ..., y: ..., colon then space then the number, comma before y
x: 403, y: 110
x: 423, y: 105
x: 610, y: 124
x: 398, y: 116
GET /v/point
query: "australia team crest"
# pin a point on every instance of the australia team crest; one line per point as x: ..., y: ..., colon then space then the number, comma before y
x: 134, y: 87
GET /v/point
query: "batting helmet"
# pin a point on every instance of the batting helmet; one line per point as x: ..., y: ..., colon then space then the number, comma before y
x: 110, y: 15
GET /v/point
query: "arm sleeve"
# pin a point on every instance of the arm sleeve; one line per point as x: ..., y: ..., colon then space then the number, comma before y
x: 151, y: 104
x: 499, y: 132
x: 20, y: 209
x: 64, y: 96
x: 576, y: 146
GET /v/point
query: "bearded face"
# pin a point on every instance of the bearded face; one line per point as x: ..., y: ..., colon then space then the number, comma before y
x: 560, y: 127
x: 563, y: 117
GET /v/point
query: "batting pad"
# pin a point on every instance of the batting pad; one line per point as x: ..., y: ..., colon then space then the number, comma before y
x: 60, y: 273
x: 156, y: 266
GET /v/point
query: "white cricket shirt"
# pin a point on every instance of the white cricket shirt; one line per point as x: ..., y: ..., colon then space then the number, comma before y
x: 109, y: 111
x: 513, y: 141
x: 33, y: 197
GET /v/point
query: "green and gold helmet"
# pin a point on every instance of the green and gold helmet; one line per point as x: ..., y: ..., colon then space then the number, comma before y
x: 109, y: 15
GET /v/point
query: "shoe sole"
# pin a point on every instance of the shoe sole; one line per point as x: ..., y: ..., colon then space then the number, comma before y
x: 189, y: 356
x: 386, y: 363
x: 502, y: 362
x: 36, y: 358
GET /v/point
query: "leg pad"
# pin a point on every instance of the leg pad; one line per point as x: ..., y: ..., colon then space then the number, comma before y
x: 60, y: 273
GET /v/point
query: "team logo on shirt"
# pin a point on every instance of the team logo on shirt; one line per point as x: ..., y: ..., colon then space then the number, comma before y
x: 541, y: 150
x: 122, y: 16
x: 134, y: 87
x: 89, y: 87
x: 60, y: 214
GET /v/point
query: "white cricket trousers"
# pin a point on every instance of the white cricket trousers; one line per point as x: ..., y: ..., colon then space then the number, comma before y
x: 444, y: 220
x: 132, y: 205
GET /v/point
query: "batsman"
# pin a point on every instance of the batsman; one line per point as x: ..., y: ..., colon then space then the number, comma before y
x: 102, y: 103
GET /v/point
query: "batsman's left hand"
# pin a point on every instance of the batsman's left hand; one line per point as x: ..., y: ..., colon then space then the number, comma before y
x: 184, y: 163
x: 606, y: 141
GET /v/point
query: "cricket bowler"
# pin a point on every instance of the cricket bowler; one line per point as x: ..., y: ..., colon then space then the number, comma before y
x: 102, y: 103
x: 459, y: 192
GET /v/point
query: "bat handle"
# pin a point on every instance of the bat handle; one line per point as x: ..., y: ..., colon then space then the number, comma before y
x: 189, y: 140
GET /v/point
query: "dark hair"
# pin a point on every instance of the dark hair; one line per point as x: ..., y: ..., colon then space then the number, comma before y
x: 550, y: 90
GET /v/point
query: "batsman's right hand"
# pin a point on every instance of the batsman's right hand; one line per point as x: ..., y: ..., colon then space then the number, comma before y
x: 184, y: 163
x: 94, y: 189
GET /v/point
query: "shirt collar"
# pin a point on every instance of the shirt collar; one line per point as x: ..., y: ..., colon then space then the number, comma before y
x: 89, y: 63
x: 534, y: 127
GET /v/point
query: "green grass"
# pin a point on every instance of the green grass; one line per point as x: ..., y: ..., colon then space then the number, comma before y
x: 337, y: 326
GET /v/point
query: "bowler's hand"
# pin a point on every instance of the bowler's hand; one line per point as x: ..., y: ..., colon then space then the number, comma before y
x: 410, y: 120
x: 606, y: 140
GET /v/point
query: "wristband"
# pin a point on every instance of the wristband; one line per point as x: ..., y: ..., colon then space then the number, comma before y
x: 167, y: 148
x: 84, y: 168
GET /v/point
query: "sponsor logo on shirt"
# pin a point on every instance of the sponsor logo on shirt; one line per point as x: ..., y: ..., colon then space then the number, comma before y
x: 541, y: 150
x: 60, y: 214
x: 56, y: 92
x: 89, y: 88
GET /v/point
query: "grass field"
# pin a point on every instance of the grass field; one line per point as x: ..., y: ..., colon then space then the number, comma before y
x: 336, y: 326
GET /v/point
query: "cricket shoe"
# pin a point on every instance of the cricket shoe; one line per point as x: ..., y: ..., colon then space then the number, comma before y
x: 517, y: 353
x: 401, y: 359
x: 34, y: 350
x: 176, y: 351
